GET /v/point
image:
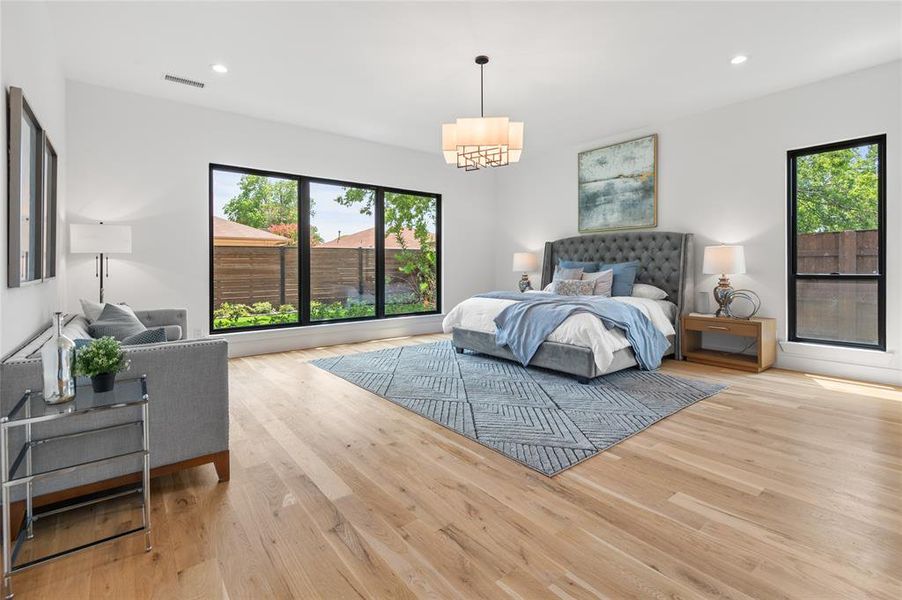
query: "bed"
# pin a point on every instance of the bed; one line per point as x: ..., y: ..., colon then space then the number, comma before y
x: 581, y: 346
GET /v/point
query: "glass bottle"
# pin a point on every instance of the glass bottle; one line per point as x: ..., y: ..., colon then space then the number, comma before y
x: 58, y: 356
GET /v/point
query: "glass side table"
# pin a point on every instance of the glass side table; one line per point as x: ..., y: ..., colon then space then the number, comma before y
x: 31, y: 410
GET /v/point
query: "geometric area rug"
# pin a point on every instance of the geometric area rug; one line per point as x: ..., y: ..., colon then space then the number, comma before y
x: 543, y: 419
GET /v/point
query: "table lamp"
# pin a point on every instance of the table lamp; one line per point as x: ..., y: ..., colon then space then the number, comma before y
x: 100, y: 239
x: 525, y: 262
x: 723, y: 260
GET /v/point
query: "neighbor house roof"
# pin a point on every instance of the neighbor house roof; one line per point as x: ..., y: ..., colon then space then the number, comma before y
x: 367, y: 239
x: 230, y: 233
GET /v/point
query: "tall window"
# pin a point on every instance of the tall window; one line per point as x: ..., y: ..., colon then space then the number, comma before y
x: 837, y: 242
x: 342, y: 252
x: 291, y: 250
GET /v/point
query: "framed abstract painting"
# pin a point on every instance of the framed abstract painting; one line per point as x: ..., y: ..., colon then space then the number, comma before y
x: 618, y: 186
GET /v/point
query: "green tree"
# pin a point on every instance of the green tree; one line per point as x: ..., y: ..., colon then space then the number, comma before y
x: 837, y: 190
x: 270, y: 204
x: 263, y: 201
x: 405, y: 211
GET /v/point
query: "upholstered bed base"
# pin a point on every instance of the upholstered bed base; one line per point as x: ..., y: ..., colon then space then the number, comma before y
x: 665, y: 261
x: 565, y: 358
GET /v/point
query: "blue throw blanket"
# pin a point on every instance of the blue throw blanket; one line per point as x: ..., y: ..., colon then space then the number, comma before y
x: 523, y: 326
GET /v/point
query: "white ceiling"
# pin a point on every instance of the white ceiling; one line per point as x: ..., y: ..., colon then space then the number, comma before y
x: 392, y: 72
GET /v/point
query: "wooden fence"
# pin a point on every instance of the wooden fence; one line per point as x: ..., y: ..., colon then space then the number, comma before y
x: 837, y: 309
x: 244, y: 275
x: 840, y: 252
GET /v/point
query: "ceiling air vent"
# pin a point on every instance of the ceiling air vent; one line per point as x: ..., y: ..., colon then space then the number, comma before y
x: 183, y: 81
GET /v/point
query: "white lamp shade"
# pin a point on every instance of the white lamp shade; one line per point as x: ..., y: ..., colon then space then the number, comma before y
x: 474, y: 133
x: 525, y: 262
x: 97, y: 239
x: 724, y: 260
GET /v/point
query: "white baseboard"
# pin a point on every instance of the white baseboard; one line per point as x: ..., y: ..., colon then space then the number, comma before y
x: 849, y: 363
x: 329, y: 334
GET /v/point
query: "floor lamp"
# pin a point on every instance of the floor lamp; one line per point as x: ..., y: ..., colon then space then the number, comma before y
x: 100, y: 240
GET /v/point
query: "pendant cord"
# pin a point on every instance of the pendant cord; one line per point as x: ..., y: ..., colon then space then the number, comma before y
x: 481, y: 91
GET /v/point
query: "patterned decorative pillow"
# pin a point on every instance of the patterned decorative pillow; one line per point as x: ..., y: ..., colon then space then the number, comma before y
x: 148, y: 336
x: 116, y: 321
x: 561, y: 273
x: 573, y: 287
x: 604, y: 281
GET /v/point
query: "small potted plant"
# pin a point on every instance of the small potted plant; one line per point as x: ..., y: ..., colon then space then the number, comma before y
x: 101, y: 360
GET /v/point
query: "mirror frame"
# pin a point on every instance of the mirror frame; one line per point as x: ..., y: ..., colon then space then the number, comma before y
x: 46, y: 207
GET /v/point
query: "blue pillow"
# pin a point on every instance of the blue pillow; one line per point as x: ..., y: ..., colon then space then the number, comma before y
x: 624, y: 277
x: 587, y: 267
x: 562, y: 273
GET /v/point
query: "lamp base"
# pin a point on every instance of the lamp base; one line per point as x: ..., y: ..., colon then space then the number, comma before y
x: 722, y: 296
x: 524, y: 284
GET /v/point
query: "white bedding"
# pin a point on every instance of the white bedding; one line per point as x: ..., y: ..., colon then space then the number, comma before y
x: 478, y: 314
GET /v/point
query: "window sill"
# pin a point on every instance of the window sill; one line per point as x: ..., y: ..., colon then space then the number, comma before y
x: 262, y: 341
x: 327, y: 326
x: 855, y: 356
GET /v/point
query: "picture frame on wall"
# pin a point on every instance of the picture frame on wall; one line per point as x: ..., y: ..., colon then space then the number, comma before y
x: 618, y: 186
x: 32, y: 188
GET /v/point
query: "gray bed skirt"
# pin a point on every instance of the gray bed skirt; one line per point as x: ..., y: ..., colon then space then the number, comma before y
x: 566, y: 358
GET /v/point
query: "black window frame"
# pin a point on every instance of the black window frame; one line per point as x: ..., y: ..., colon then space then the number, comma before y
x: 303, y: 207
x: 792, y: 221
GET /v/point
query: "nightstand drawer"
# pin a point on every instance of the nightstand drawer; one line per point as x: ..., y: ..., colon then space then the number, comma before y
x: 743, y: 328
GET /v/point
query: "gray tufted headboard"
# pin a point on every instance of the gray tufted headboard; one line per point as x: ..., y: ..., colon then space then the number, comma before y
x: 665, y: 259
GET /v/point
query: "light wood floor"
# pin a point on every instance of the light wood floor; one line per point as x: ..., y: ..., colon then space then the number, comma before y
x: 784, y: 486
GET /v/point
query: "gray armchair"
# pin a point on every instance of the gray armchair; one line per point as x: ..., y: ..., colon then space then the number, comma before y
x: 188, y: 389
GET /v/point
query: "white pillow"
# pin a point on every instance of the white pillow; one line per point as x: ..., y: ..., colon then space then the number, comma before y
x: 604, y: 280
x: 643, y: 290
x: 91, y: 309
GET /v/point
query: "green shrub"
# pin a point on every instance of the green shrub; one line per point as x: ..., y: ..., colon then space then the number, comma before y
x: 103, y: 355
x: 261, y: 308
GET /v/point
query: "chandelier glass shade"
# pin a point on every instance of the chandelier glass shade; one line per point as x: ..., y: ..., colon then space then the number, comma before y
x: 477, y: 142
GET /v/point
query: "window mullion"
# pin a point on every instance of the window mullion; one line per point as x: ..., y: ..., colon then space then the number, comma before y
x: 304, y: 250
x: 380, y: 253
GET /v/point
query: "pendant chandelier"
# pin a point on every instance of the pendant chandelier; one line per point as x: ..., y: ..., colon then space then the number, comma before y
x: 478, y: 142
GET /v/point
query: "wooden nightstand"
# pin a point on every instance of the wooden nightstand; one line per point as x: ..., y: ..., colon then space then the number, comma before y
x: 762, y: 329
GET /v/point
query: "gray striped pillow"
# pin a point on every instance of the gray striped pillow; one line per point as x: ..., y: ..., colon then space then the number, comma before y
x: 117, y: 322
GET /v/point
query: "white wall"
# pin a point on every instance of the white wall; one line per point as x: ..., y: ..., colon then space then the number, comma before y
x: 29, y: 61
x: 144, y: 161
x: 722, y: 176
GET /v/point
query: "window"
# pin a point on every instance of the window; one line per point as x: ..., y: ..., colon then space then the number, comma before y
x: 291, y: 250
x: 837, y: 242
x: 342, y: 252
x: 411, y: 276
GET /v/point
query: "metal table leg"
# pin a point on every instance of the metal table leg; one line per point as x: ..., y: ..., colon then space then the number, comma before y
x: 146, y: 484
x: 29, y: 496
x: 7, y: 531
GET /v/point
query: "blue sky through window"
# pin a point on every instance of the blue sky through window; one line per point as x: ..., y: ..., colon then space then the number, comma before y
x: 330, y: 216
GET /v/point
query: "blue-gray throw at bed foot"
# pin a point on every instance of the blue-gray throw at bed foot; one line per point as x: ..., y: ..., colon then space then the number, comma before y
x: 523, y: 326
x: 545, y: 420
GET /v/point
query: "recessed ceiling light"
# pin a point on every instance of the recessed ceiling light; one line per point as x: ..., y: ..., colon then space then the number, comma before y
x: 738, y: 59
x: 219, y: 68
